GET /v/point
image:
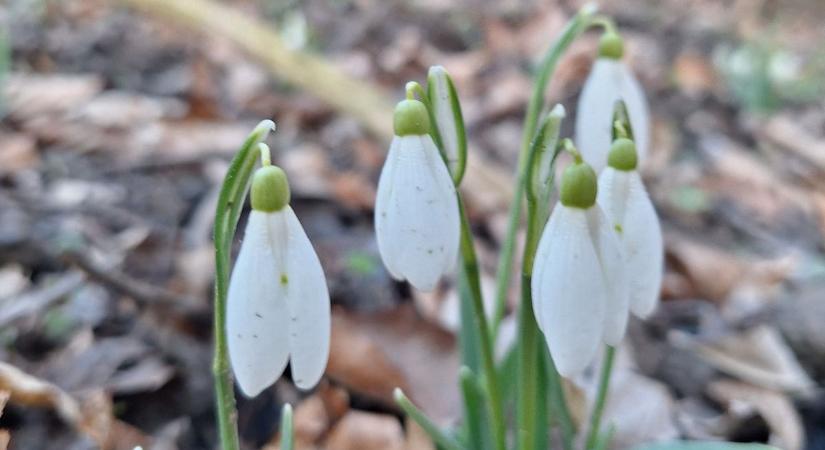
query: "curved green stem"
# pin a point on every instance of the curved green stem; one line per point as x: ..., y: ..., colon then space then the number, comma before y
x: 230, y: 203
x: 574, y: 28
x: 601, y: 398
x: 471, y: 273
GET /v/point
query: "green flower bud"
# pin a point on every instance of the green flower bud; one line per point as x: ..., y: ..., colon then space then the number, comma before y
x: 270, y: 189
x: 611, y: 45
x: 578, y: 186
x: 411, y: 118
x: 622, y: 155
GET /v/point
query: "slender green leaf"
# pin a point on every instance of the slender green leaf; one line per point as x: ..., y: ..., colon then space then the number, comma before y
x: 476, y: 419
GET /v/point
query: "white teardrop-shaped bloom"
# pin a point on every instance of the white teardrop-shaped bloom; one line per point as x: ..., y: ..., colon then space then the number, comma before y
x: 416, y: 213
x: 579, y: 291
x: 609, y: 80
x: 624, y: 199
x: 278, y: 306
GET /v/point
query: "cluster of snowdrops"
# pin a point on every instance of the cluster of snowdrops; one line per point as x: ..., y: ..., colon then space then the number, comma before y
x: 591, y: 257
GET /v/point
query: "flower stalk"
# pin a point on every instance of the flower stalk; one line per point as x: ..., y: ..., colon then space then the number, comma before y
x: 539, y: 184
x: 547, y: 66
x: 601, y: 398
x: 230, y: 203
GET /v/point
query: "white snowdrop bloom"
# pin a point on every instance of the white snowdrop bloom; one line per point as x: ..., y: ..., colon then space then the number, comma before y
x: 278, y: 307
x: 624, y: 199
x: 416, y: 209
x: 610, y: 80
x: 580, y: 291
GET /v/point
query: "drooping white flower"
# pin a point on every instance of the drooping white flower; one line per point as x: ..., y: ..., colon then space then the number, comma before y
x: 278, y: 307
x: 610, y: 80
x: 624, y: 199
x: 579, y: 287
x: 416, y: 208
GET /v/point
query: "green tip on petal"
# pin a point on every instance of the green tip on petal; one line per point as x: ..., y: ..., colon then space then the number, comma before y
x: 611, y: 45
x: 578, y: 186
x: 270, y: 189
x: 411, y: 118
x: 622, y: 155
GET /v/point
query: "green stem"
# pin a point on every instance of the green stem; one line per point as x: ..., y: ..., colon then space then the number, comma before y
x: 528, y: 339
x: 471, y: 273
x: 230, y: 203
x: 601, y: 397
x: 574, y: 28
x: 438, y: 436
x: 287, y: 430
x: 558, y: 402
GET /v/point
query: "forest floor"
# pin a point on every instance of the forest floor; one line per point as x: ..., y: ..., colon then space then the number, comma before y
x: 118, y: 125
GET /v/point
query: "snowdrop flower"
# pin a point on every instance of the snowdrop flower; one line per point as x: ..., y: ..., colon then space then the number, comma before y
x: 416, y: 209
x: 624, y: 200
x: 278, y: 305
x: 580, y: 292
x: 610, y: 80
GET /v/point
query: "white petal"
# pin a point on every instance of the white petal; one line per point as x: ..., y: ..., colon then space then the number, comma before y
x: 388, y: 246
x: 644, y: 248
x: 609, y: 81
x: 615, y: 275
x: 256, y: 311
x: 543, y: 252
x: 417, y: 223
x: 569, y: 291
x: 307, y: 299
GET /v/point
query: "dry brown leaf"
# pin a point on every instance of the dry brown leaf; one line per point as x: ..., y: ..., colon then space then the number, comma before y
x: 91, y: 415
x: 359, y: 430
x: 640, y: 408
x: 374, y: 353
x: 742, y: 399
x: 354, y: 191
x: 18, y: 151
x: 30, y: 95
x: 360, y: 363
x: 181, y: 140
x: 416, y: 437
x: 713, y: 273
x: 26, y: 390
x: 784, y: 131
x: 759, y: 356
x: 315, y: 415
x: 4, y: 434
x: 694, y: 74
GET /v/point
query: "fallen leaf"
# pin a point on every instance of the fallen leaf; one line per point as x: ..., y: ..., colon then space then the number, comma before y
x: 374, y: 353
x: 359, y: 430
x: 776, y: 409
x: 641, y: 409
x: 29, y: 95
x: 712, y: 272
x: 759, y: 356
x: 18, y: 151
x: 694, y: 74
